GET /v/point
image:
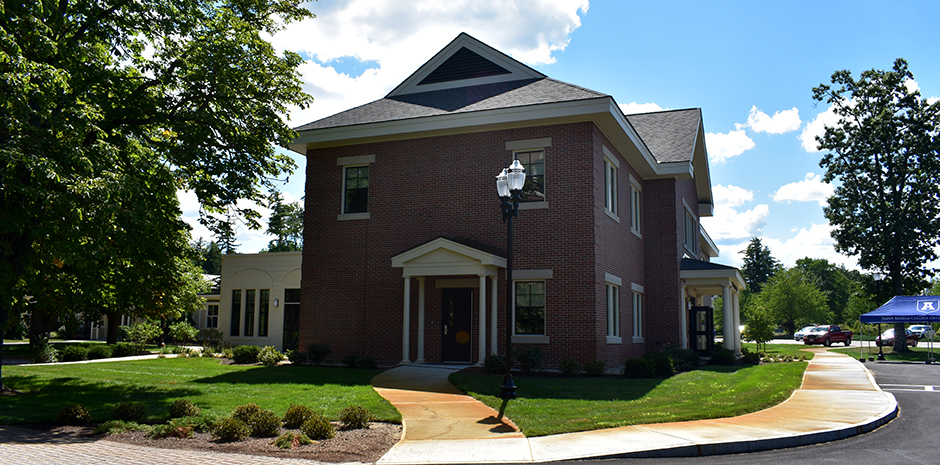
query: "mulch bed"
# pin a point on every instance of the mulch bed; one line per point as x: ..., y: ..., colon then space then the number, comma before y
x: 363, y: 445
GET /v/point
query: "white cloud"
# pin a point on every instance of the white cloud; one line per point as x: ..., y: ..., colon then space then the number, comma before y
x: 781, y: 122
x: 249, y: 240
x: 396, y: 38
x: 810, y: 189
x: 815, y: 242
x: 817, y: 127
x: 728, y: 223
x: 721, y: 147
x: 633, y: 108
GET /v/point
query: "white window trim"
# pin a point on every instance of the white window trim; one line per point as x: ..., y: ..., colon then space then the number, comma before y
x: 350, y: 162
x: 636, y: 202
x: 637, y: 297
x: 613, y: 284
x: 611, y: 196
x: 688, y: 242
x: 530, y: 275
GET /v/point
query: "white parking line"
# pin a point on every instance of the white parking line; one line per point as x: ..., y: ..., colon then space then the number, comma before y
x: 907, y: 387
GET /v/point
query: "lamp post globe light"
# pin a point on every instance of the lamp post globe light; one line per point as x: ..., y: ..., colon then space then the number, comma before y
x: 509, y: 183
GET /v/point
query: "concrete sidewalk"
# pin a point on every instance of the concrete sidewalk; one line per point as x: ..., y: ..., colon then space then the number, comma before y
x: 838, y: 398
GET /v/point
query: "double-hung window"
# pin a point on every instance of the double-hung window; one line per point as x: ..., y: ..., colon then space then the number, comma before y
x: 534, y: 164
x: 212, y: 316
x: 613, y: 284
x: 357, y: 173
x: 249, y: 312
x: 635, y: 206
x: 235, y: 328
x: 530, y: 308
x: 690, y: 230
x: 611, y: 169
x: 637, y: 313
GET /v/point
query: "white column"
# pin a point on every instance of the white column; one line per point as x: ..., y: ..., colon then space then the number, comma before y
x: 406, y: 325
x: 729, y: 329
x: 493, y: 328
x: 481, y: 355
x: 420, y: 320
x: 683, y: 318
x: 736, y: 310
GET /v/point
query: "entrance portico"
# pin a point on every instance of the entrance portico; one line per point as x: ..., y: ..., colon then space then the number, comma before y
x: 445, y: 257
x: 700, y: 278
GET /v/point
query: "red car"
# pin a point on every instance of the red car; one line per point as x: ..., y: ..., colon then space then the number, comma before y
x: 887, y: 338
x: 827, y: 335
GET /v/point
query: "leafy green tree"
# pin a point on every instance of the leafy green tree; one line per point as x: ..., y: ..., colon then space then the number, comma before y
x: 836, y: 282
x: 208, y: 256
x: 883, y: 156
x: 287, y: 224
x: 760, y: 325
x: 758, y: 266
x: 794, y: 300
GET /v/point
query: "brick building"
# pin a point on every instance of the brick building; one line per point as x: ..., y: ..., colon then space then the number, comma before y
x: 405, y: 249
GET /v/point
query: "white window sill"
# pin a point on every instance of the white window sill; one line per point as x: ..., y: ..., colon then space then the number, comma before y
x: 611, y: 214
x: 353, y: 216
x: 638, y: 340
x: 533, y: 205
x: 636, y: 233
x: 614, y: 340
x: 529, y: 339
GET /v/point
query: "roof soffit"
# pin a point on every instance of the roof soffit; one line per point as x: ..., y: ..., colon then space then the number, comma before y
x: 465, y: 46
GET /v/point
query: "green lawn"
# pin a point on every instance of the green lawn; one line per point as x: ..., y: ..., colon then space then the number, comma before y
x: 215, y: 388
x: 917, y: 354
x: 794, y: 350
x: 562, y: 405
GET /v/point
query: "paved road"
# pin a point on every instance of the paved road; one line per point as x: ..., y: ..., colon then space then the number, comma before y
x: 911, y: 438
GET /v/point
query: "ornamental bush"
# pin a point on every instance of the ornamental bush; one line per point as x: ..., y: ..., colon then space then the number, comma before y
x: 74, y: 415
x: 73, y: 353
x: 122, y: 349
x: 231, y: 429
x: 269, y: 356
x: 244, y: 413
x: 296, y: 415
x: 245, y: 355
x: 494, y: 364
x: 355, y: 417
x: 722, y: 356
x: 317, y: 353
x: 129, y: 411
x: 318, y: 428
x: 636, y: 368
x: 568, y: 366
x: 660, y: 363
x: 296, y: 357
x: 99, y: 351
x: 183, y: 408
x: 290, y: 440
x: 595, y: 367
x: 530, y: 359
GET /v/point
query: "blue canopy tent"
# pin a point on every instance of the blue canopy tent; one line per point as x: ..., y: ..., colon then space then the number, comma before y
x: 906, y: 309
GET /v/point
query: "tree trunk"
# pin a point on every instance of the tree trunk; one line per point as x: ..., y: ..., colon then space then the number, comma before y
x: 114, y: 325
x: 900, y: 337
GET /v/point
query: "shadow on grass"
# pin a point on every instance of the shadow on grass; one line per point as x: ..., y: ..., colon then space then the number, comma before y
x: 605, y: 388
x: 290, y: 374
x: 42, y: 398
x: 25, y: 435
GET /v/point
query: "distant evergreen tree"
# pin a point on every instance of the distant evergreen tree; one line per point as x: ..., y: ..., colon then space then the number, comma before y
x: 759, y: 265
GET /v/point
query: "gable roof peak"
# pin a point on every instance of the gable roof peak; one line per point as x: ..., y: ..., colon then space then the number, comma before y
x: 464, y: 62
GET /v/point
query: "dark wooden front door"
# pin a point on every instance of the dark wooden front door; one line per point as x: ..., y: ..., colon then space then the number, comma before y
x: 457, y: 319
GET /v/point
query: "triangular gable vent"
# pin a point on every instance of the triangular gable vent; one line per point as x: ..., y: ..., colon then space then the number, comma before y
x: 464, y: 62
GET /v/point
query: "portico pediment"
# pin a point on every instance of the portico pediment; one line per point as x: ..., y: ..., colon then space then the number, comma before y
x: 444, y: 257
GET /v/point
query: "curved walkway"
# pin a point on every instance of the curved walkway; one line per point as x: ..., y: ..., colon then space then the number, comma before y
x: 838, y: 398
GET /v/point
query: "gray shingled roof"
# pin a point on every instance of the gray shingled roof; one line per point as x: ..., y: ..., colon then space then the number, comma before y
x: 689, y: 264
x: 459, y: 100
x: 670, y: 135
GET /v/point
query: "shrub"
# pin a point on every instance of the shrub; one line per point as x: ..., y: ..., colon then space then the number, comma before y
x: 129, y: 411
x: 366, y: 362
x: 182, y: 332
x: 682, y: 359
x: 231, y: 429
x: 494, y: 364
x: 211, y: 337
x: 43, y: 352
x: 74, y: 415
x: 318, y: 428
x: 749, y: 358
x: 265, y: 424
x: 290, y: 440
x: 269, y: 356
x: 296, y: 357
x: 350, y: 360
x: 317, y: 353
x: 74, y: 353
x: 183, y: 408
x: 660, y: 363
x: 122, y: 349
x: 140, y: 334
x: 244, y: 413
x: 120, y: 426
x: 208, y: 351
x: 595, y: 367
x: 569, y: 366
x: 355, y: 417
x: 722, y: 356
x: 530, y: 359
x: 636, y: 368
x: 99, y: 351
x: 244, y: 355
x: 296, y: 415
x: 175, y: 428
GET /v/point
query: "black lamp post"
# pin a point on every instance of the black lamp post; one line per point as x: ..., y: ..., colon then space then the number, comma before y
x: 509, y: 184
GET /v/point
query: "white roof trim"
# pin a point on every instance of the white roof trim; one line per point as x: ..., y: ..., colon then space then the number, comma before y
x: 443, y: 257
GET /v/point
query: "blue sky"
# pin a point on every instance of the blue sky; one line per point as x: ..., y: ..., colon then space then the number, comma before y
x: 750, y: 67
